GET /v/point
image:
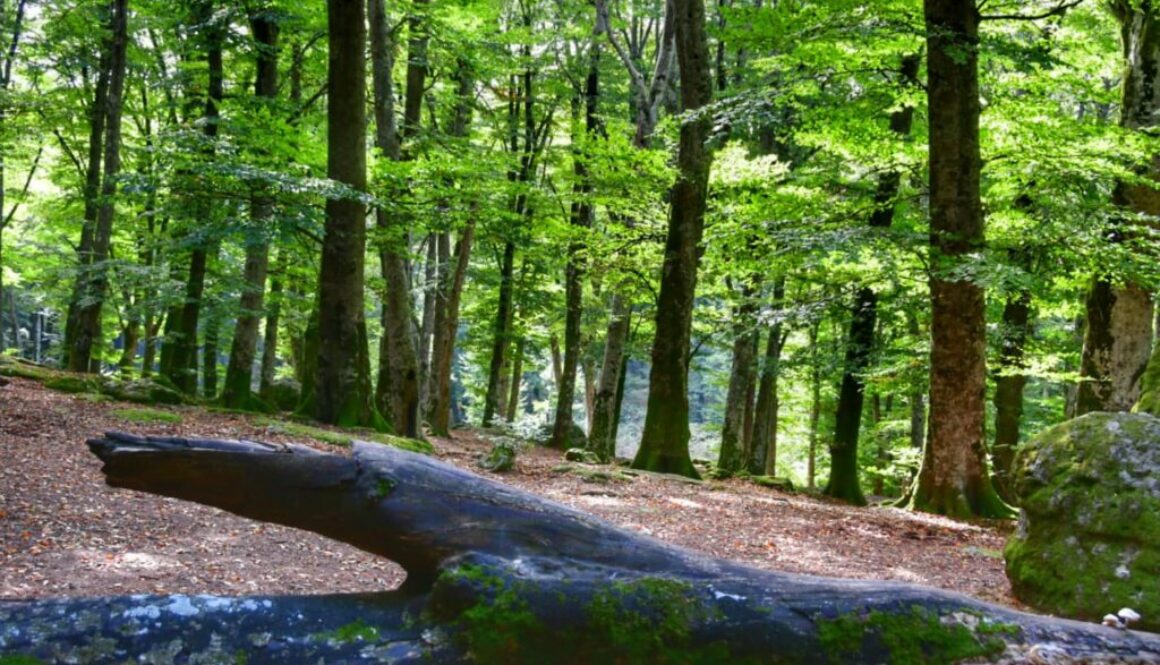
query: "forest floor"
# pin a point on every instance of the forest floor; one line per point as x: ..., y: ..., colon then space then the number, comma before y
x: 63, y: 532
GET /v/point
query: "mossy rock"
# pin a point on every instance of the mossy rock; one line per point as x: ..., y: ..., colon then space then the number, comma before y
x: 576, y: 436
x: 143, y: 391
x: 283, y: 394
x: 501, y: 458
x: 1088, y: 539
x: 146, y: 416
x: 581, y: 455
x: 774, y: 482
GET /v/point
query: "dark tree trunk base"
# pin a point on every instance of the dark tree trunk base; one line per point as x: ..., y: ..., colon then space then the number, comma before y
x: 496, y: 575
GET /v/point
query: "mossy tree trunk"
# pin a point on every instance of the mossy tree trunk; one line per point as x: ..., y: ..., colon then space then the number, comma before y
x: 953, y: 478
x: 762, y: 451
x: 341, y: 391
x: 496, y: 575
x: 1118, y: 334
x: 602, y: 437
x: 1009, y: 384
x: 664, y: 442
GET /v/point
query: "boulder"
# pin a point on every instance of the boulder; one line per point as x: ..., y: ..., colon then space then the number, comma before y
x: 576, y: 436
x: 501, y: 458
x: 1088, y: 538
x: 284, y: 394
x: 143, y: 391
x: 581, y: 455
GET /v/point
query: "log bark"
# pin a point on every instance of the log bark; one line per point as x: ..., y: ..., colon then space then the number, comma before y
x: 499, y: 575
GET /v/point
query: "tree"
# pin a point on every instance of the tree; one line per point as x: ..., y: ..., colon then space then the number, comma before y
x: 1118, y: 334
x: 664, y: 443
x: 342, y: 392
x: 237, y: 391
x: 843, y: 482
x: 953, y: 478
x: 94, y: 283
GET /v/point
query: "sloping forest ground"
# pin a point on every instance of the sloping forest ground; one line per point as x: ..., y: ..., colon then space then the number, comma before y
x: 64, y: 533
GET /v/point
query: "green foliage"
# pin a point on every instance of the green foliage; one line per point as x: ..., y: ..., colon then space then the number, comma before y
x: 920, y: 636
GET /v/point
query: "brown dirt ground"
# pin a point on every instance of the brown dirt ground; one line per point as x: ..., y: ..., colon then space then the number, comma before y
x: 64, y: 533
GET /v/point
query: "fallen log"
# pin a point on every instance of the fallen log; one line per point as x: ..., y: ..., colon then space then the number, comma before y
x: 498, y: 575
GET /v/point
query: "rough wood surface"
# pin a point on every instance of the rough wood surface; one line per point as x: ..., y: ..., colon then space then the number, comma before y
x: 499, y: 575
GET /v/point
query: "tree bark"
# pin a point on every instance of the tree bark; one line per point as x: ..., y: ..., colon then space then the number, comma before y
x: 501, y: 337
x: 732, y: 455
x: 98, y: 117
x: 87, y: 339
x: 182, y: 365
x: 1009, y: 384
x: 1118, y: 337
x: 273, y: 321
x: 665, y: 440
x: 602, y: 437
x: 843, y: 483
x: 530, y: 591
x: 581, y: 221
x: 513, y: 396
x: 762, y: 452
x: 953, y: 478
x: 451, y: 282
x: 237, y: 393
x: 342, y: 392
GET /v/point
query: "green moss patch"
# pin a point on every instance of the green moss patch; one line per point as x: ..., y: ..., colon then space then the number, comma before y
x: 146, y: 416
x: 342, y: 438
x: 917, y: 636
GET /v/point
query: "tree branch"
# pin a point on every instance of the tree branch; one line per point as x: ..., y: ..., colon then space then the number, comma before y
x: 1058, y: 10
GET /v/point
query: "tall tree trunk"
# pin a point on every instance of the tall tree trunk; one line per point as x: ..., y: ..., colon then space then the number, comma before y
x: 953, y: 478
x: 98, y: 117
x: 762, y: 450
x: 342, y: 392
x: 209, y: 356
x: 89, y: 309
x: 843, y: 483
x: 433, y: 270
x: 732, y: 457
x: 452, y: 280
x: 1118, y: 338
x: 665, y: 439
x: 182, y: 368
x: 602, y: 434
x: 1009, y: 383
x: 398, y: 387
x: 513, y: 400
x: 491, y: 406
x: 237, y: 391
x: 273, y: 321
x: 815, y: 408
x: 581, y: 220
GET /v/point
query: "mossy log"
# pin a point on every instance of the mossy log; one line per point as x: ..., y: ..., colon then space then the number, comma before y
x: 499, y: 575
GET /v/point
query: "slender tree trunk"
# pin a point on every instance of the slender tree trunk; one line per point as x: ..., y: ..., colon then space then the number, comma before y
x: 732, y: 457
x: 433, y: 271
x: 398, y: 387
x: 273, y: 321
x: 87, y: 339
x: 150, y: 351
x: 447, y: 302
x: 953, y: 479
x: 444, y: 352
x: 763, y: 446
x: 843, y: 483
x: 209, y: 356
x: 589, y: 363
x: 501, y: 335
x: 581, y: 220
x: 1009, y: 383
x: 665, y: 439
x: 1118, y: 338
x: 98, y: 117
x: 815, y: 409
x: 342, y: 392
x: 602, y: 434
x: 513, y: 400
x: 237, y: 392
x: 182, y: 368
